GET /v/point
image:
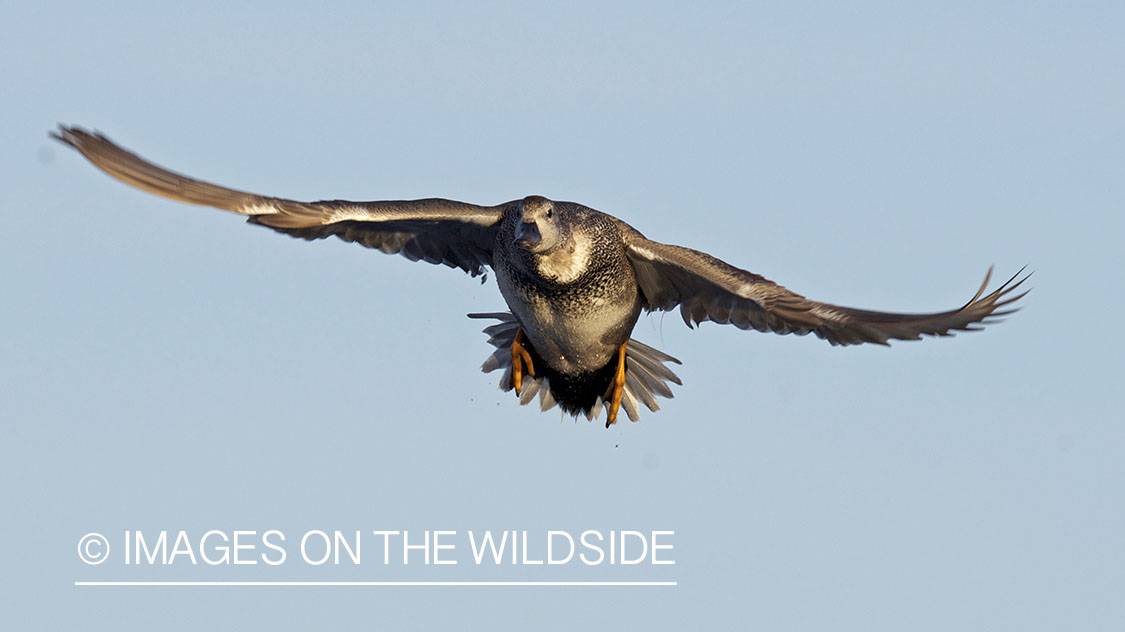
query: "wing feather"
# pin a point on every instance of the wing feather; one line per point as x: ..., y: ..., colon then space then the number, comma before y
x: 434, y: 230
x: 706, y: 288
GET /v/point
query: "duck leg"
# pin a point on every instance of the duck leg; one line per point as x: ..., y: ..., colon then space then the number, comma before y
x: 617, y: 389
x: 520, y: 356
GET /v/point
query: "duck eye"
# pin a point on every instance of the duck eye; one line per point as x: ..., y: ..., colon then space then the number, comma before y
x: 550, y: 212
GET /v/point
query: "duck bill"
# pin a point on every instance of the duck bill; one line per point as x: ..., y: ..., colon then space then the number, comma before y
x: 527, y: 235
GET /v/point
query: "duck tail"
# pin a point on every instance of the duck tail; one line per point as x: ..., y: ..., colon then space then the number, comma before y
x: 646, y: 376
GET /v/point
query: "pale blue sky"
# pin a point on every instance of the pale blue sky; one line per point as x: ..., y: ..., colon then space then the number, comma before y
x: 167, y: 367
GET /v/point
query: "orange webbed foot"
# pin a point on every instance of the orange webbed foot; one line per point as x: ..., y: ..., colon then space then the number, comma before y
x: 520, y: 359
x: 617, y: 388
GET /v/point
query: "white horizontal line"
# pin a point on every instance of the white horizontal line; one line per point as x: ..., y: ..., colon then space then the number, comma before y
x: 386, y: 583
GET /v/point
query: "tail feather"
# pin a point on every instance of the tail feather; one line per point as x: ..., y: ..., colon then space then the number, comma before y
x: 646, y: 375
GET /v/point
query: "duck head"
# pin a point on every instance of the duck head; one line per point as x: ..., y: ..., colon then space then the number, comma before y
x: 538, y: 226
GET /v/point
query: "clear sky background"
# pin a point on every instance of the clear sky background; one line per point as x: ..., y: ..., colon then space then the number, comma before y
x: 164, y: 366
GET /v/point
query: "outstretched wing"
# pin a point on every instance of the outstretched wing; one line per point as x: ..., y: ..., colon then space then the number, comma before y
x: 706, y: 288
x: 434, y: 230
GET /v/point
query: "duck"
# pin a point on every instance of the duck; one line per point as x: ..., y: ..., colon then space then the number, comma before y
x: 575, y: 281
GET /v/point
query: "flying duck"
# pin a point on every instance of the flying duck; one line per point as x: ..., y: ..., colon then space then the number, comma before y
x: 575, y: 281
